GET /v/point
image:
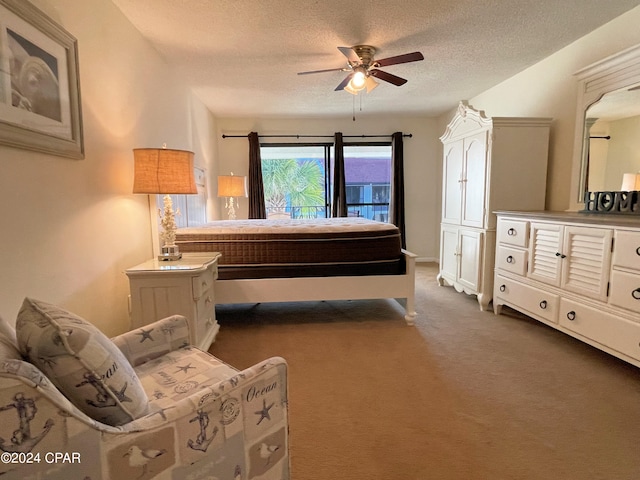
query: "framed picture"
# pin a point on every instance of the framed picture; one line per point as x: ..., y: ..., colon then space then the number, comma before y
x: 39, y: 83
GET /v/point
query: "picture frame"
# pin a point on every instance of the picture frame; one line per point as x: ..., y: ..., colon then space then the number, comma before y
x: 40, y: 107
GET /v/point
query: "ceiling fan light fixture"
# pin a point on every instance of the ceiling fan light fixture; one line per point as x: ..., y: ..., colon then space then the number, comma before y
x: 359, y: 79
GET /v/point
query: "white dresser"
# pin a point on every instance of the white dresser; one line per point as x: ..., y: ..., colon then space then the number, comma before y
x: 577, y: 272
x: 488, y: 164
x: 181, y: 287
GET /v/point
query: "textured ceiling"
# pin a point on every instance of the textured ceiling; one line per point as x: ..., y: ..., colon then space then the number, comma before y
x: 241, y: 56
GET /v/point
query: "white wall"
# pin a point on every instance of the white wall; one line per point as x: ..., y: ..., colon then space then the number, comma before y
x: 549, y: 89
x: 71, y: 227
x: 421, y: 157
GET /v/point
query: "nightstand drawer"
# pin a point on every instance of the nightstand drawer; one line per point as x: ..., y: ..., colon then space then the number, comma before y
x: 534, y: 301
x: 512, y: 260
x: 513, y: 232
x: 202, y: 283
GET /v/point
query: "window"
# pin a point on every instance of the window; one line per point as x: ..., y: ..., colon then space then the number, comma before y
x: 367, y: 171
x: 297, y: 179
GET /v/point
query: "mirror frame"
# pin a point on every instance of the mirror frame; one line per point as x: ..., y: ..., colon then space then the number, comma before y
x: 610, y: 74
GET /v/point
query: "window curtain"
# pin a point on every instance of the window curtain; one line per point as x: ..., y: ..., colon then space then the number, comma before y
x: 257, y: 208
x: 396, y: 202
x: 339, y: 200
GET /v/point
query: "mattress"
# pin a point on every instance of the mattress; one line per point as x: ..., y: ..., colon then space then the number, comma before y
x: 275, y: 247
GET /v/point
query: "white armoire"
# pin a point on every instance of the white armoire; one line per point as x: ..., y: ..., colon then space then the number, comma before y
x: 489, y: 164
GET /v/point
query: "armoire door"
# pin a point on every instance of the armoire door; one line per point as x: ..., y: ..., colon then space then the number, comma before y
x: 474, y: 176
x: 452, y: 182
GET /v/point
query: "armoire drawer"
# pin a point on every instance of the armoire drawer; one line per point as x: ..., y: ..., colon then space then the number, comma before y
x: 513, y: 232
x: 511, y: 260
x: 604, y: 328
x: 626, y: 252
x: 530, y: 299
x: 625, y: 290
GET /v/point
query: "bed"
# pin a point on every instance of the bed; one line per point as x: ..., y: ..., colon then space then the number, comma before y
x: 284, y: 260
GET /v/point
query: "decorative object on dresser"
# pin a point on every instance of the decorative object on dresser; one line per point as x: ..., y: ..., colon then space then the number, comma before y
x: 576, y: 272
x: 164, y: 171
x: 231, y: 187
x: 489, y: 163
x: 182, y: 287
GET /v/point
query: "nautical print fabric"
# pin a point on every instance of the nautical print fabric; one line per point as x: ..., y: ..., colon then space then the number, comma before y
x: 81, y: 361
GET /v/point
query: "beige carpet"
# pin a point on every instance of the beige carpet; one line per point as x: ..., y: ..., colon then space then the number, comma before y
x: 463, y: 395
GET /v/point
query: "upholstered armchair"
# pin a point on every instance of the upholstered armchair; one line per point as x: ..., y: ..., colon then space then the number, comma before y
x: 146, y: 404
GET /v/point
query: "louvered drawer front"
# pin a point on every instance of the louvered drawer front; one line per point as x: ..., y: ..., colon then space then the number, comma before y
x: 511, y: 260
x: 607, y: 329
x: 513, y: 232
x: 534, y: 301
x: 625, y: 290
x: 626, y: 252
x: 202, y: 283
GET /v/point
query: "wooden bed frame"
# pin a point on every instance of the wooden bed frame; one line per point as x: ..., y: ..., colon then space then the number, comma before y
x: 265, y: 290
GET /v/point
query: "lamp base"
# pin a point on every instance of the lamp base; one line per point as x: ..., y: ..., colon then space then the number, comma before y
x: 169, y: 253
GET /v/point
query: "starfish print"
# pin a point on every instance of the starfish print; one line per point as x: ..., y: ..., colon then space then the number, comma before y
x: 120, y: 395
x: 264, y: 413
x: 184, y: 369
x: 145, y: 334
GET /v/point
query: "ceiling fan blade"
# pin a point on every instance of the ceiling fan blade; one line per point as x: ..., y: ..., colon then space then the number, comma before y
x: 350, y: 54
x: 387, y: 77
x: 322, y: 71
x: 344, y: 83
x: 406, y: 58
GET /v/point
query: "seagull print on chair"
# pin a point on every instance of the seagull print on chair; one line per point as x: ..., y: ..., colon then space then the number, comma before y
x: 141, y: 458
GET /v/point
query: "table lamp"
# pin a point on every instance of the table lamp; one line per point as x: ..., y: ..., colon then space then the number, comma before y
x: 164, y: 171
x: 231, y: 186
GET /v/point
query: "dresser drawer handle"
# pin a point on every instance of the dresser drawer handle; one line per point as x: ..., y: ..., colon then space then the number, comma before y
x: 510, y: 259
x: 571, y: 315
x: 503, y: 288
x: 205, y: 285
x: 543, y: 304
x: 636, y: 294
x: 208, y: 299
x: 512, y: 233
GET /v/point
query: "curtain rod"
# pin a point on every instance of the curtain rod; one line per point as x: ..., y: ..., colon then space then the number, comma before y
x: 315, y: 136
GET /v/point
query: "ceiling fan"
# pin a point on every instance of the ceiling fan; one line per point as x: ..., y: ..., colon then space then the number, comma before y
x: 363, y: 67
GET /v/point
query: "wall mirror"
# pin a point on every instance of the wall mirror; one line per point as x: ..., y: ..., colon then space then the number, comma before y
x: 607, y: 141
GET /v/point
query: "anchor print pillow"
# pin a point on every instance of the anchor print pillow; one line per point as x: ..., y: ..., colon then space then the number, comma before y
x: 82, y: 362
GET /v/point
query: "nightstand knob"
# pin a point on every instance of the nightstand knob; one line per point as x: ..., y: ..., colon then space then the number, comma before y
x: 638, y: 251
x: 543, y: 304
x: 571, y: 315
x: 511, y: 232
x: 636, y: 294
x: 503, y: 288
x: 510, y: 259
x: 208, y: 299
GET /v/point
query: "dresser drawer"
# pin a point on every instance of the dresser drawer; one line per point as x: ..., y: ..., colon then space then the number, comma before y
x: 607, y: 329
x: 513, y: 232
x: 626, y: 252
x: 511, y: 259
x: 625, y: 290
x: 528, y: 299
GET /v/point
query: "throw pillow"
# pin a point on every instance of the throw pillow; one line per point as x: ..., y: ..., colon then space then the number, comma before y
x: 82, y: 362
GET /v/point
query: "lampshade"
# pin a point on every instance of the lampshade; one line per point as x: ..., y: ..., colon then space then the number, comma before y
x: 630, y: 182
x: 232, y: 186
x: 162, y: 170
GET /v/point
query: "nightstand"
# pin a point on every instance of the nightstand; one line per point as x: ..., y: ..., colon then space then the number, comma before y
x: 180, y: 287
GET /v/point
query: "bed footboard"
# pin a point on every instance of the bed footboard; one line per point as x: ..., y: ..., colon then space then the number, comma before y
x: 265, y: 290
